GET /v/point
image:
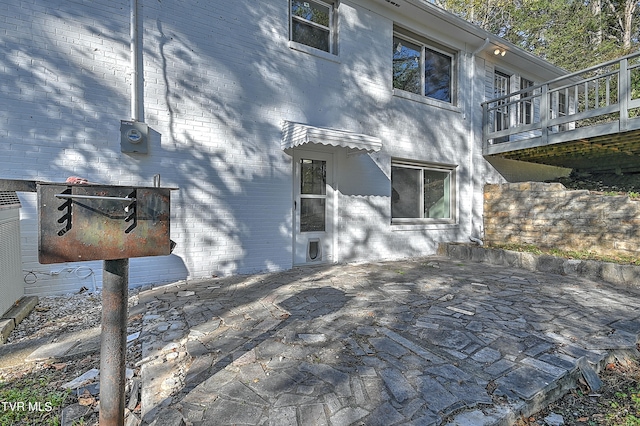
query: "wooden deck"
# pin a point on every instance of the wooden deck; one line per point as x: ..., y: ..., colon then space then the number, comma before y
x: 588, y: 121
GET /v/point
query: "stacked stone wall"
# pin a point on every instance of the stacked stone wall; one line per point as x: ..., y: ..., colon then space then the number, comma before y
x: 550, y: 216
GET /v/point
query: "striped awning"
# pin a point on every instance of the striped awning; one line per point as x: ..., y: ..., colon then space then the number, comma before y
x: 297, y: 134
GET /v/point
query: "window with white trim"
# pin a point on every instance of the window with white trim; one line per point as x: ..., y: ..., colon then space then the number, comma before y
x: 423, y: 68
x: 422, y: 193
x: 313, y: 24
x: 526, y: 104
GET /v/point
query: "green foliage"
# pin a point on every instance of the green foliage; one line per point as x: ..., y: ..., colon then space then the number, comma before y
x: 568, y: 254
x: 527, y: 248
x: 632, y: 194
x: 573, y: 34
x: 311, y: 12
x: 27, y: 402
x: 495, y: 16
x: 627, y: 407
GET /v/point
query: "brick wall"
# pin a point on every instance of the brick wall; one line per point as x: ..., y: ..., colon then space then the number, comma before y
x: 549, y: 215
x: 219, y: 79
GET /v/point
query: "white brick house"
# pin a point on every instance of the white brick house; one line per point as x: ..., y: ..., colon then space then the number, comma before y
x: 277, y: 119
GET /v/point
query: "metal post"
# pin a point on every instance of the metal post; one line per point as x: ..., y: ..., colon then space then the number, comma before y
x: 115, y: 284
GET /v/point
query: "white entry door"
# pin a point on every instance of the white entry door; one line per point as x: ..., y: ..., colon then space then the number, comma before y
x: 313, y: 206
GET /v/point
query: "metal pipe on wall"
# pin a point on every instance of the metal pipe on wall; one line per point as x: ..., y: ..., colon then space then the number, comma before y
x: 136, y: 59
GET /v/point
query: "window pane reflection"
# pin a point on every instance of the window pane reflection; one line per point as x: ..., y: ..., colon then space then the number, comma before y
x: 405, y: 198
x: 311, y: 36
x: 406, y: 66
x: 312, y: 216
x: 311, y: 24
x: 311, y: 11
x: 437, y: 75
x: 437, y: 203
x: 422, y: 70
x: 313, y: 177
x: 422, y: 193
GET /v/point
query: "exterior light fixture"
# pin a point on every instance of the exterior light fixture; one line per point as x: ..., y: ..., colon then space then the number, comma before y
x: 499, y: 51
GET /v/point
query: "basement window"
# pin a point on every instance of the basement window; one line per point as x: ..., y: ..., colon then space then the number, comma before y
x: 422, y: 193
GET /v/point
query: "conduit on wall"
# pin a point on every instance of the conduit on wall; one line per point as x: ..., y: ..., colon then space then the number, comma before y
x: 136, y: 64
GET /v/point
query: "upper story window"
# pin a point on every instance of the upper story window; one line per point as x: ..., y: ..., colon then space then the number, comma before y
x: 423, y: 68
x: 313, y: 24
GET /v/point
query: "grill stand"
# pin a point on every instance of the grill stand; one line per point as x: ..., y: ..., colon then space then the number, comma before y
x: 142, y: 230
x: 113, y: 344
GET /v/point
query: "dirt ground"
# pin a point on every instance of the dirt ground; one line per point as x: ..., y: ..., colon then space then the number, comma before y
x: 617, y: 403
x: 41, y: 382
x: 44, y: 380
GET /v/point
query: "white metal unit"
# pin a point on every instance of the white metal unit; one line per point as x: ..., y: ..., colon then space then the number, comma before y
x: 11, y: 282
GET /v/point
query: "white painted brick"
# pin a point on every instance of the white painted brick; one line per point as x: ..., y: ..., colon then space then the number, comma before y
x: 231, y: 79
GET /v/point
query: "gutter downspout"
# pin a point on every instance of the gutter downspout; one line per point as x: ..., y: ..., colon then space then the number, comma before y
x: 481, y: 48
x: 136, y: 59
x: 472, y: 131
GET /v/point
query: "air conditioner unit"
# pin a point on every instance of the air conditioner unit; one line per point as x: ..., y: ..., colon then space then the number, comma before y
x: 11, y: 280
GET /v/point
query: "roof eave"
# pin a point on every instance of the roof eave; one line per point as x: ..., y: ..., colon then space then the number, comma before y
x: 474, y: 37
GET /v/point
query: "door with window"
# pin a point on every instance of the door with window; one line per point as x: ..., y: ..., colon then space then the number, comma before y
x: 313, y: 208
x: 526, y: 104
x: 559, y: 110
x: 501, y: 83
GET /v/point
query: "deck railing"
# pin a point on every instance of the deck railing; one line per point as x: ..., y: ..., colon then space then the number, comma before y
x: 604, y: 99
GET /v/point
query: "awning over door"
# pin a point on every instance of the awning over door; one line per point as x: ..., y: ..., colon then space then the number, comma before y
x: 297, y: 134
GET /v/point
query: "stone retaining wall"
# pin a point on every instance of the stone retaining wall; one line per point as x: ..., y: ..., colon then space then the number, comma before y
x: 594, y: 270
x: 548, y: 215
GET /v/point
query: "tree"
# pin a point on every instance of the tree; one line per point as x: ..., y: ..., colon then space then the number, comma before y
x: 624, y: 15
x: 573, y: 34
x: 494, y: 16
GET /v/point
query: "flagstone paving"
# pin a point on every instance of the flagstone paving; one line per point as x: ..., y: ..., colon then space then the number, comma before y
x: 425, y: 341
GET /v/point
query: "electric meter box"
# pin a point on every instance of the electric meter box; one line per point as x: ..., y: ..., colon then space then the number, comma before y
x: 134, y: 137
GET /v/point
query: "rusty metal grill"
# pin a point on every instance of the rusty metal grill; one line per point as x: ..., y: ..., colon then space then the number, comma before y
x: 102, y: 222
x: 81, y: 221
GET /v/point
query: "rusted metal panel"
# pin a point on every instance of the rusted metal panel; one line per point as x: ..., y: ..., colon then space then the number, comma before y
x: 98, y: 222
